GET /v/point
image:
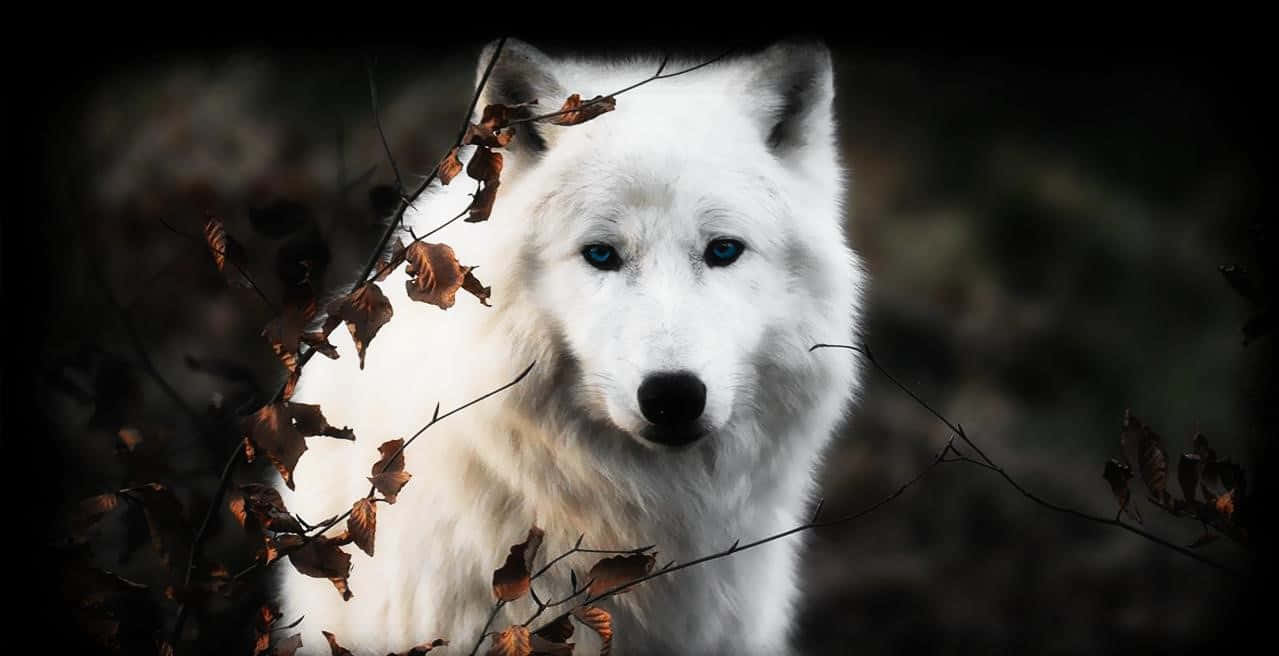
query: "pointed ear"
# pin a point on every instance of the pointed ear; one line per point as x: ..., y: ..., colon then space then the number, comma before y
x: 795, y: 86
x: 522, y: 74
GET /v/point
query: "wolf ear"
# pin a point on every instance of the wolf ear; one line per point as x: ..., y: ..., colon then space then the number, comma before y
x: 795, y: 86
x: 522, y: 74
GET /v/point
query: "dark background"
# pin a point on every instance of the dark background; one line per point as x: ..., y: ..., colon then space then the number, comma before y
x: 1043, y: 219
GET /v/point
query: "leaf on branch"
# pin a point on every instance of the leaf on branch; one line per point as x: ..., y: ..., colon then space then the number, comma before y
x: 511, y: 581
x: 1118, y: 475
x: 488, y: 132
x: 473, y: 285
x: 284, y: 334
x: 362, y: 524
x: 227, y: 252
x: 450, y: 166
x: 600, y: 621
x: 482, y: 204
x: 388, y: 261
x: 612, y: 572
x: 514, y: 641
x: 365, y: 311
x: 558, y: 631
x: 334, y: 648
x: 389, y: 475
x: 279, y: 430
x: 127, y: 440
x: 90, y: 511
x: 485, y: 165
x: 576, y: 112
x: 1225, y: 505
x: 261, y: 505
x: 323, y: 559
x: 1151, y: 460
x: 288, y: 646
x: 266, y: 618
x: 435, y: 274
x: 388, y: 484
x: 318, y: 341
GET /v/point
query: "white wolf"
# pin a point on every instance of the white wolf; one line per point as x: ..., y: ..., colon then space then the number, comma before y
x: 667, y: 265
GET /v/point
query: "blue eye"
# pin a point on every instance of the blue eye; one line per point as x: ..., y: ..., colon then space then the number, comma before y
x: 602, y: 256
x: 723, y: 252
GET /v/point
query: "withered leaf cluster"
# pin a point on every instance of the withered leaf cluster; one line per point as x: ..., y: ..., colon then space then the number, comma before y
x: 1213, y: 491
x: 513, y: 580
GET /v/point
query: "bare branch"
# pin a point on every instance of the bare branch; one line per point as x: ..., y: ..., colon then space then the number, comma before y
x: 987, y: 463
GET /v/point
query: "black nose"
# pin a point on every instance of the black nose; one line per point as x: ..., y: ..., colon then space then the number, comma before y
x: 672, y: 399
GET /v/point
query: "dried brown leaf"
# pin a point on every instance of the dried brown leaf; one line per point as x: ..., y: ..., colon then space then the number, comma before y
x: 511, y: 581
x: 1118, y: 475
x: 388, y: 449
x: 1151, y: 459
x: 473, y: 285
x: 450, y: 166
x: 321, y: 558
x: 226, y: 251
x: 365, y: 311
x: 334, y: 648
x: 435, y: 274
x: 514, y: 641
x: 362, y: 524
x: 558, y: 631
x: 318, y: 341
x: 1225, y: 505
x: 129, y: 438
x: 90, y: 511
x: 543, y: 647
x: 577, y: 112
x: 600, y: 621
x: 279, y: 429
x: 390, y: 483
x: 485, y: 165
x: 611, y: 572
x: 482, y: 204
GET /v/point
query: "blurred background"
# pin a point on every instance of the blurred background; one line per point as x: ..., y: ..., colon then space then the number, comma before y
x: 1043, y: 229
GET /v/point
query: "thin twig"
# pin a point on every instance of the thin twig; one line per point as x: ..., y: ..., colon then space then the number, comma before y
x: 987, y: 463
x: 245, y: 274
x: 377, y: 122
x: 737, y: 546
x: 323, y: 527
x: 484, y: 631
x: 405, y: 202
x: 652, y: 78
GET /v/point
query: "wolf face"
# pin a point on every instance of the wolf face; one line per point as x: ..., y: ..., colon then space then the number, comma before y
x: 673, y: 236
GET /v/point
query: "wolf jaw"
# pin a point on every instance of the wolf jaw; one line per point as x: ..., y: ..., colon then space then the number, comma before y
x: 744, y: 147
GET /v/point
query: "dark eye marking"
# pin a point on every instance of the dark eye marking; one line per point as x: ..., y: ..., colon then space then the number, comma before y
x: 723, y: 252
x: 602, y: 256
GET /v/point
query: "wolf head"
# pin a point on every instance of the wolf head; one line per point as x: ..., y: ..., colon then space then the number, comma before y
x: 687, y: 248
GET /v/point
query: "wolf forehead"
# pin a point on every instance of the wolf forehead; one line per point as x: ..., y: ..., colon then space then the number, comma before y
x: 746, y: 142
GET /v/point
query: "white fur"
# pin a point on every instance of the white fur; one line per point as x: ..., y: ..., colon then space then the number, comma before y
x: 681, y: 161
